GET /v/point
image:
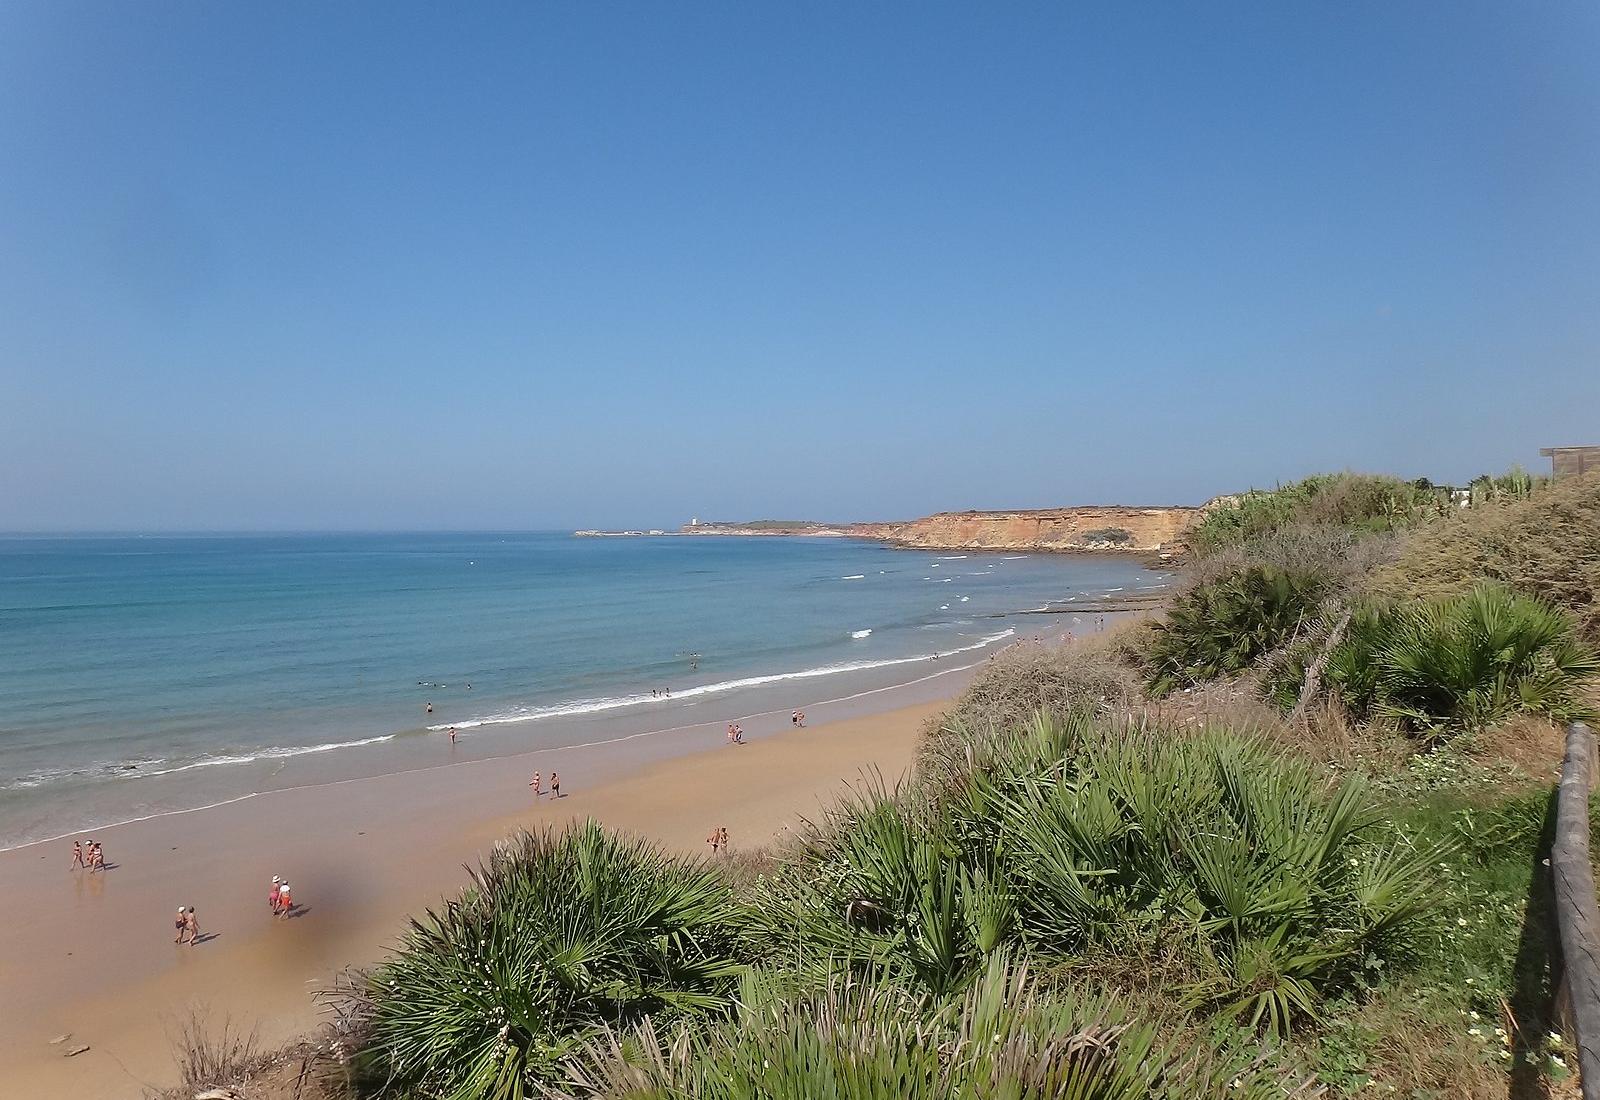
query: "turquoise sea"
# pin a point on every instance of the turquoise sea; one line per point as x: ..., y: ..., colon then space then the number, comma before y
x: 143, y: 675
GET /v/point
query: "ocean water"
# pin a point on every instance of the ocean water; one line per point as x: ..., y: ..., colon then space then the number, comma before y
x: 142, y: 675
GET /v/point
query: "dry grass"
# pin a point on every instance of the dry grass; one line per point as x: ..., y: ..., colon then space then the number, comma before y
x: 1341, y: 557
x: 221, y: 1057
x: 1546, y: 547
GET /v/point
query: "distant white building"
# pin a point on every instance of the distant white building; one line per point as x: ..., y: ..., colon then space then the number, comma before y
x: 695, y: 522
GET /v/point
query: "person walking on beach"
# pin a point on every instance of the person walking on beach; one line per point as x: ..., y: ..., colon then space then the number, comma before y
x: 722, y: 837
x: 181, y: 924
x: 714, y: 838
x: 285, y: 901
x: 97, y: 858
x: 191, y: 925
x: 452, y: 735
x: 537, y: 785
x: 272, y: 893
x: 77, y: 856
x: 555, y: 785
x: 800, y: 718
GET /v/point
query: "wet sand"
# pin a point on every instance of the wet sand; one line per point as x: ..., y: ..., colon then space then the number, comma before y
x: 92, y: 954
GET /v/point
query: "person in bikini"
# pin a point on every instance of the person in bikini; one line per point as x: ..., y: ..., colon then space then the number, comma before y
x: 191, y: 924
x: 77, y: 856
x: 714, y: 838
x: 537, y: 784
x: 555, y: 785
x: 97, y: 858
x: 272, y: 893
x: 181, y: 924
x: 285, y: 901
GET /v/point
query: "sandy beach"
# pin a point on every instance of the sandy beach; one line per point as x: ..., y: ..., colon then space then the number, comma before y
x: 91, y: 955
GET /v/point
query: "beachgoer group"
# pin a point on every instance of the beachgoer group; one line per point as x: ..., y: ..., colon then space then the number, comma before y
x: 735, y: 733
x: 798, y: 718
x: 90, y: 857
x: 187, y: 925
x: 718, y: 839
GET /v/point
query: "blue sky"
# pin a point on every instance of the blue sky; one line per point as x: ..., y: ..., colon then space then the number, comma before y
x: 531, y: 265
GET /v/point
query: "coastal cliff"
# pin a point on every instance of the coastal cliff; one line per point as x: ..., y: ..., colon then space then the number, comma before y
x: 1090, y: 528
x: 1101, y: 528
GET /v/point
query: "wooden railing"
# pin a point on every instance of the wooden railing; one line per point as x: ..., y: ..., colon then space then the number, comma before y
x: 1576, y: 911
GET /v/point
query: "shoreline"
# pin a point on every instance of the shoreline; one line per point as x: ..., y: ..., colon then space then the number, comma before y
x: 364, y: 853
x: 432, y: 733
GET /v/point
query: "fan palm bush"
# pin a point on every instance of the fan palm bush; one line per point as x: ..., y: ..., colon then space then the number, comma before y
x: 558, y: 934
x: 1081, y: 838
x: 1221, y: 627
x: 1465, y: 664
x: 1454, y: 664
x: 1007, y: 1038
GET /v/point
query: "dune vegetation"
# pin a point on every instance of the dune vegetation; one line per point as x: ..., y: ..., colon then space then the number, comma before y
x: 1285, y: 840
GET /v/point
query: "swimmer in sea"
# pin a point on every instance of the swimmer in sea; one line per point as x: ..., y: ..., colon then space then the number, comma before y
x: 427, y: 708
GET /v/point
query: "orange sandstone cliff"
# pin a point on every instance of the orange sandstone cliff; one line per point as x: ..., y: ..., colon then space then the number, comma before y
x: 1102, y: 528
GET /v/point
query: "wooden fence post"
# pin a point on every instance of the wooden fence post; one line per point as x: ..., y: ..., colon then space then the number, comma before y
x: 1577, y: 915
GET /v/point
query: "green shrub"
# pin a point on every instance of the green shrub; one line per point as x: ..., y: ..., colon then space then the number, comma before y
x: 1453, y: 665
x: 1220, y: 627
x: 557, y: 935
x: 1118, y: 536
x: 1360, y: 502
x: 1079, y: 837
x: 1008, y: 1037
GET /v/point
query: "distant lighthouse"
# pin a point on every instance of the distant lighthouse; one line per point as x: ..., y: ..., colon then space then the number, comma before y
x: 695, y: 522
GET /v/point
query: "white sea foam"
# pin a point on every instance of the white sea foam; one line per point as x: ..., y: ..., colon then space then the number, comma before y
x: 855, y: 577
x: 266, y: 754
x: 859, y: 633
x: 1015, y: 557
x: 595, y: 706
x: 953, y: 557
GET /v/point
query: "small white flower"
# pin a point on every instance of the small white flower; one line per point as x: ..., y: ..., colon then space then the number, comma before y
x: 1474, y: 1031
